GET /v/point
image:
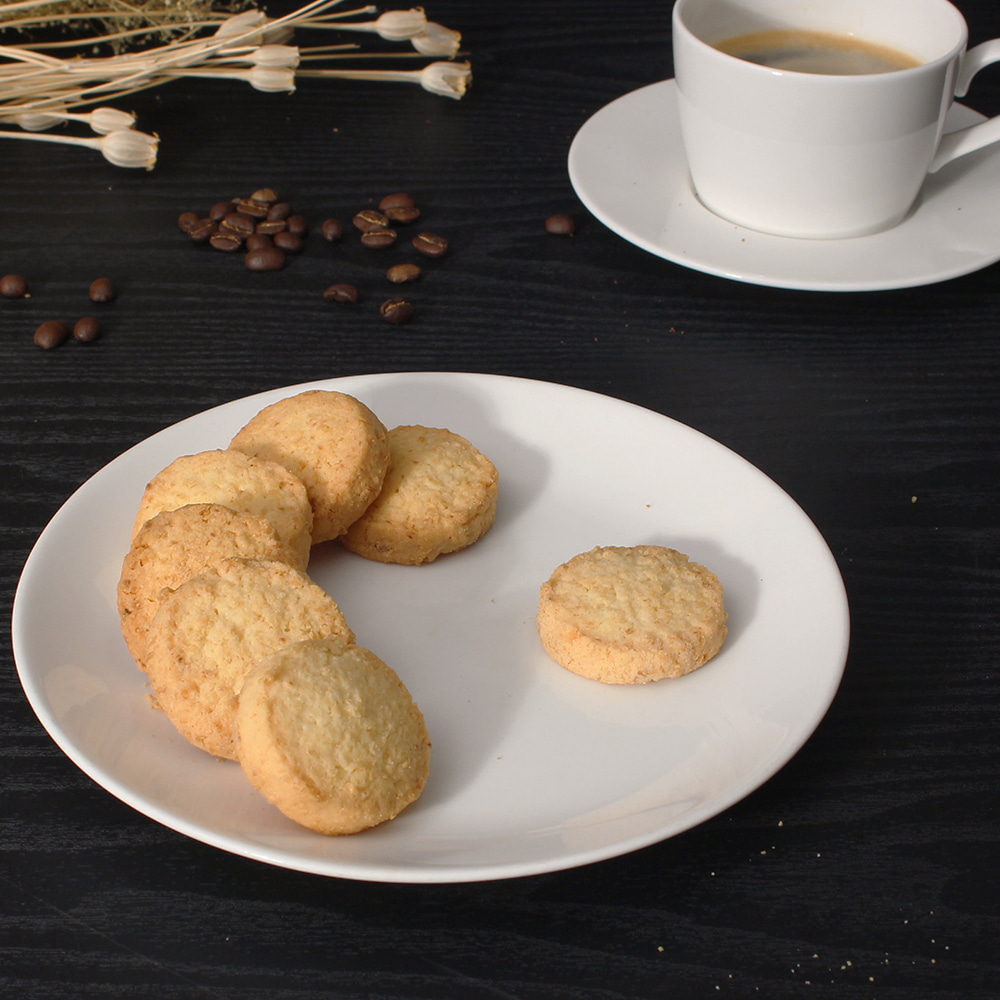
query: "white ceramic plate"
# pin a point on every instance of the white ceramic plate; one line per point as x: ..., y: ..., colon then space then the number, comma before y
x: 628, y: 168
x: 534, y: 769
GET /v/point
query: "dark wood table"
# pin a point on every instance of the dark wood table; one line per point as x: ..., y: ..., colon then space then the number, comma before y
x: 866, y: 868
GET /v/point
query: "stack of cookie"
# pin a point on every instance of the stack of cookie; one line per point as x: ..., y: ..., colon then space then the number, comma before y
x: 249, y: 658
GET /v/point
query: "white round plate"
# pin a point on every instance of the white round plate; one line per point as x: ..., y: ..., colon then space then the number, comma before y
x: 534, y: 769
x: 628, y: 168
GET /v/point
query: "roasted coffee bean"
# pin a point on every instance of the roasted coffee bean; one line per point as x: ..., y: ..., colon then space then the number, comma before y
x: 265, y: 196
x: 87, y: 328
x: 258, y: 241
x: 561, y: 225
x: 238, y: 222
x: 403, y: 214
x: 341, y: 293
x: 13, y: 286
x: 430, y: 244
x: 103, y: 290
x: 288, y: 242
x: 400, y: 200
x: 368, y: 220
x: 271, y: 226
x: 203, y: 230
x: 400, y: 273
x: 187, y: 221
x: 227, y: 242
x: 297, y: 225
x: 396, y: 311
x: 255, y: 209
x: 333, y: 230
x: 379, y: 239
x: 51, y: 333
x: 221, y: 209
x: 265, y: 259
x: 279, y: 211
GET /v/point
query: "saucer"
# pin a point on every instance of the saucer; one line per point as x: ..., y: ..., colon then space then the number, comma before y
x: 628, y: 168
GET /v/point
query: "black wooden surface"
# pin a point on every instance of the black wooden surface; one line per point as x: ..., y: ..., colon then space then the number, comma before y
x: 867, y: 868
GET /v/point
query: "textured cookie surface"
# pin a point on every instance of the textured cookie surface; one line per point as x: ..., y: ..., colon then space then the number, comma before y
x: 329, y: 734
x: 628, y: 615
x: 439, y: 495
x: 330, y: 441
x: 237, y: 481
x: 213, y: 629
x: 174, y: 546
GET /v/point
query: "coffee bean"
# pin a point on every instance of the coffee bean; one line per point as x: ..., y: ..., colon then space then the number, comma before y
x: 258, y: 241
x: 87, y: 328
x: 368, y: 220
x: 400, y: 200
x: 187, y: 221
x: 561, y: 225
x: 341, y: 293
x: 220, y: 210
x: 271, y: 226
x: 379, y: 239
x: 400, y: 273
x: 203, y: 230
x: 51, y: 333
x: 227, y: 242
x: 288, y: 241
x: 13, y: 286
x: 265, y: 259
x: 430, y: 244
x: 403, y: 214
x: 255, y: 209
x: 396, y: 311
x: 265, y: 196
x: 333, y: 230
x: 238, y: 222
x: 297, y: 225
x: 279, y: 211
x: 103, y: 290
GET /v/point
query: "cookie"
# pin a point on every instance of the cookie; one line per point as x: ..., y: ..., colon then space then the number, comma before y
x: 213, y: 629
x: 439, y: 495
x: 631, y: 615
x: 330, y: 735
x: 330, y: 441
x: 175, y: 545
x: 239, y: 482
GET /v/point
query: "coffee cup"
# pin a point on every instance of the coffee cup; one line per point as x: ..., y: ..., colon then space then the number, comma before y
x: 793, y: 126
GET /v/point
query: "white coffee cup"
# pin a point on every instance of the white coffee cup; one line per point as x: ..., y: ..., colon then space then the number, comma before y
x: 816, y: 155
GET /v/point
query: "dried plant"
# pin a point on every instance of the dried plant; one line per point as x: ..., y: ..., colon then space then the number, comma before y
x: 40, y: 89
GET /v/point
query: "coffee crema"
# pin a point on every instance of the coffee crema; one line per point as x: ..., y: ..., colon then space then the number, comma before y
x: 816, y: 52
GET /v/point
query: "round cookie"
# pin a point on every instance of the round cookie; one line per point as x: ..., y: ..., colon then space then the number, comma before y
x: 631, y: 615
x: 330, y: 735
x: 330, y: 441
x: 239, y: 482
x: 175, y: 545
x: 439, y: 495
x: 213, y: 629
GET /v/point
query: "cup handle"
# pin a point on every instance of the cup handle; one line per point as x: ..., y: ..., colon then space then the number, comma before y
x: 965, y: 140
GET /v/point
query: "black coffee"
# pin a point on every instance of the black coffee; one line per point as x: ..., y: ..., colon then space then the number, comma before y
x: 816, y: 52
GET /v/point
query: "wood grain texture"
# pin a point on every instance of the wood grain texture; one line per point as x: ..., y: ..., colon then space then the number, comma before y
x: 867, y: 868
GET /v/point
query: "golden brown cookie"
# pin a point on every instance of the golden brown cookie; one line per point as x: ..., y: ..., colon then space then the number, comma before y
x: 239, y: 482
x: 333, y: 443
x: 631, y: 615
x: 175, y: 545
x: 210, y: 632
x: 330, y: 735
x: 439, y: 495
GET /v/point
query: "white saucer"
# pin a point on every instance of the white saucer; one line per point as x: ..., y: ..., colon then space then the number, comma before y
x: 627, y: 166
